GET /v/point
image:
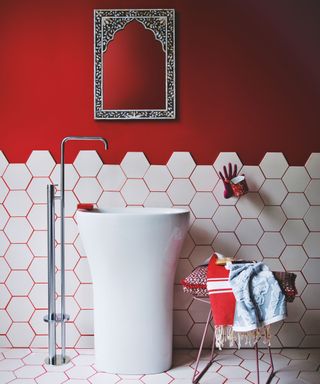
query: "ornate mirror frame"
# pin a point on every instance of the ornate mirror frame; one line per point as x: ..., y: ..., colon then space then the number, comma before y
x: 106, y: 24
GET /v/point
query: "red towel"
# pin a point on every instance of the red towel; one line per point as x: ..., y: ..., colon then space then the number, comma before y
x: 222, y: 301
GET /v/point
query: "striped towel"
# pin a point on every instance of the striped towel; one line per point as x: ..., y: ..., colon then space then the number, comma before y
x: 222, y: 301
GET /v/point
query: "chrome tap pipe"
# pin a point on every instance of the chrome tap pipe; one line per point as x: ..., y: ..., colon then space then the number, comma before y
x: 64, y: 317
x: 53, y: 318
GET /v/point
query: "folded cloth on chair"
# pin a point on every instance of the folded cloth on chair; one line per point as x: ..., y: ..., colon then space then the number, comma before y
x: 222, y: 301
x: 259, y: 299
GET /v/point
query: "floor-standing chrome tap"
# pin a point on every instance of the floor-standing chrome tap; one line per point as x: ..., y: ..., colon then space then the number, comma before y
x: 53, y: 318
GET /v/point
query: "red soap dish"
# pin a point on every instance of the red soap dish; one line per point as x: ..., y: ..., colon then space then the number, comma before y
x: 85, y: 206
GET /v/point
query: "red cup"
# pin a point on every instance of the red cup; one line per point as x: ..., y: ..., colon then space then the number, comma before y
x: 239, y: 186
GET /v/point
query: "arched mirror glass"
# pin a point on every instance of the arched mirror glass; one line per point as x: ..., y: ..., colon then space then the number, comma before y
x: 134, y: 64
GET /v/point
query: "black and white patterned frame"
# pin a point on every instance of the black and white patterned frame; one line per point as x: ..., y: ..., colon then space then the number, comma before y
x: 107, y: 22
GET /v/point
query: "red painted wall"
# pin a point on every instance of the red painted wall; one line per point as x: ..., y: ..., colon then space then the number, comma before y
x: 247, y: 80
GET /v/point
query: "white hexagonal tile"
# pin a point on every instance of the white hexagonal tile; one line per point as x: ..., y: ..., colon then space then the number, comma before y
x: 52, y: 377
x: 37, y: 189
x: 18, y: 230
x: 250, y: 205
x: 200, y: 253
x: 158, y: 178
x: 135, y: 164
x: 84, y: 296
x: 184, y: 268
x: 40, y: 163
x: 3, y: 163
x: 107, y: 378
x: 199, y: 311
x: 271, y: 244
x: 20, y: 309
x: 39, y: 296
x: 182, y: 322
x: 313, y: 165
x: 4, y: 243
x: 4, y: 296
x: 17, y: 176
x: 295, y: 205
x: 296, y: 309
x: 300, y: 283
x: 291, y: 334
x: 233, y: 372
x: 19, y: 283
x: 72, y: 307
x: 218, y: 194
x: 36, y: 321
x: 111, y: 200
x: 4, y: 270
x: 180, y: 299
x: 195, y: 336
x: 88, y: 190
x: 310, y: 296
x: 224, y: 158
x: 71, y: 176
x: 70, y: 207
x: 272, y: 218
x: 38, y: 243
x: 203, y: 231
x: 157, y: 199
x: 181, y: 164
x: 311, y: 271
x: 19, y: 256
x: 273, y: 165
x: 18, y: 203
x: 72, y: 282
x: 203, y: 205
x: 226, y: 218
x: 181, y: 191
x: 204, y: 178
x: 38, y: 216
x: 249, y: 252
x: 311, y: 322
x: 312, y: 244
x: 71, y: 230
x: 294, y: 232
x: 20, y: 335
x: 274, y: 264
x: 80, y: 372
x: 71, y: 256
x: 254, y: 177
x: 226, y: 243
x: 111, y: 177
x: 249, y: 231
x: 312, y: 218
x: 135, y: 191
x: 293, y: 258
x: 3, y: 190
x: 87, y: 163
x: 296, y: 179
x: 187, y: 247
x: 273, y: 192
x: 5, y: 321
x: 84, y: 322
x: 82, y: 270
x: 313, y: 192
x: 38, y: 269
x: 4, y: 217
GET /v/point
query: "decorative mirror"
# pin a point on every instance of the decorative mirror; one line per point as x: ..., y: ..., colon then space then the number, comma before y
x: 134, y: 64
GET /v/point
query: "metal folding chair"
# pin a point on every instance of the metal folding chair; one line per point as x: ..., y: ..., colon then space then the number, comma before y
x: 199, y: 374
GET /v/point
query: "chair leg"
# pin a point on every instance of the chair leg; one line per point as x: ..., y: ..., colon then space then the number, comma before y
x: 257, y: 362
x: 197, y: 375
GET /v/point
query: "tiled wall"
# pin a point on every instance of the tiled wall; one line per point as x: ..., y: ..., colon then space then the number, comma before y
x: 278, y: 222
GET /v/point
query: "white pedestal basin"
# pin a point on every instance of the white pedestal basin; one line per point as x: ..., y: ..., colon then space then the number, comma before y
x: 132, y: 253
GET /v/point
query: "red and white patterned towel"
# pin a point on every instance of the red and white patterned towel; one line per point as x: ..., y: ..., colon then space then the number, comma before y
x: 222, y: 301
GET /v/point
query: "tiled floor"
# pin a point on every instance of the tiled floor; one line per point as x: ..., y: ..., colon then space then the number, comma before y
x: 293, y: 366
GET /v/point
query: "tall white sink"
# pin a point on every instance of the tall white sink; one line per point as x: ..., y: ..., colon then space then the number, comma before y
x: 133, y: 253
